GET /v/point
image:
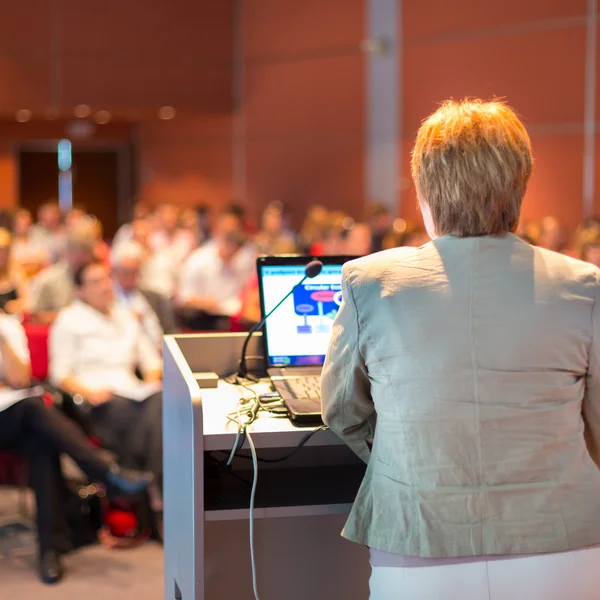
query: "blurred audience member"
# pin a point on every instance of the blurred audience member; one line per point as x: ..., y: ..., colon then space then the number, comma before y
x: 168, y: 237
x: 553, y: 235
x: 527, y: 232
x: 416, y: 237
x: 190, y: 222
x: 40, y: 433
x: 48, y: 233
x: 204, y: 215
x: 380, y: 220
x: 7, y: 219
x: 141, y: 211
x: 29, y: 256
x: 588, y: 245
x: 404, y: 233
x: 212, y: 280
x: 153, y: 311
x: 13, y: 283
x: 312, y: 236
x: 159, y: 273
x: 358, y: 240
x: 91, y: 227
x: 96, y: 346
x: 273, y: 238
x: 53, y: 288
x: 334, y: 243
x: 75, y: 216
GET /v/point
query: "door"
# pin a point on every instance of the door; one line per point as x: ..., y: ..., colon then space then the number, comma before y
x: 96, y: 185
x: 97, y: 175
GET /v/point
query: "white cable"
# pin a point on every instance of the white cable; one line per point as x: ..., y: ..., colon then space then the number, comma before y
x: 234, y: 448
x: 252, y: 495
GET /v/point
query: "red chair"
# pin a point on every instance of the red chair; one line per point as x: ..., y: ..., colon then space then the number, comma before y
x: 37, y: 339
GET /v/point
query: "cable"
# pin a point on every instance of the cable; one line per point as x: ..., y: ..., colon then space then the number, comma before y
x: 251, y: 516
x: 290, y: 454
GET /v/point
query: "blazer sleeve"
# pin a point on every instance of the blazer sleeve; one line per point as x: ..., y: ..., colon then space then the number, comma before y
x: 591, y: 400
x: 347, y: 405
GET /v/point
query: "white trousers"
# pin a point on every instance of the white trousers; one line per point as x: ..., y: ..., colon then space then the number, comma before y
x: 563, y: 576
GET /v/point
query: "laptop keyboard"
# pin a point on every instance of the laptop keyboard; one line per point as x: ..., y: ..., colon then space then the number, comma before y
x: 307, y: 386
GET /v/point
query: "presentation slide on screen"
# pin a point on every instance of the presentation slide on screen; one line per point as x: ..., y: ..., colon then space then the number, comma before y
x: 301, y: 326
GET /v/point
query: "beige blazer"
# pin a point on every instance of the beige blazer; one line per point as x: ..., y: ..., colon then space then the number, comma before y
x: 472, y: 365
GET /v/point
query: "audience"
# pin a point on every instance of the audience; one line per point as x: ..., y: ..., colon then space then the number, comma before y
x: 48, y: 233
x: 153, y: 311
x: 380, y: 220
x: 40, y: 433
x: 28, y: 255
x: 168, y: 237
x: 53, y: 288
x: 108, y: 317
x: 13, y: 283
x: 212, y: 280
x: 552, y: 235
x: 274, y: 238
x: 359, y: 240
x: 96, y: 348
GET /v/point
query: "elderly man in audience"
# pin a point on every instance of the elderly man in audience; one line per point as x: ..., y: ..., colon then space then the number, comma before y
x: 168, y: 237
x: 553, y: 235
x: 53, y: 288
x: 40, y: 433
x: 212, y: 280
x: 154, y: 311
x: 96, y: 347
x: 48, y: 233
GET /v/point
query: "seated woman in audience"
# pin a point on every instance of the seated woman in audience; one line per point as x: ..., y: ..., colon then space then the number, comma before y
x: 13, y: 284
x: 314, y: 230
x: 40, y: 433
x: 25, y: 252
x: 588, y: 246
x: 339, y: 224
x: 273, y: 238
x: 358, y: 240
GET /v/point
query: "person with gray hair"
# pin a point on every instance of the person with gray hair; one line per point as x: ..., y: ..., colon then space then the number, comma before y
x: 53, y: 289
x: 153, y: 310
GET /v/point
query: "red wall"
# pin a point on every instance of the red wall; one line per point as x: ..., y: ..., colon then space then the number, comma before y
x: 280, y: 113
x: 304, y: 111
x: 532, y: 54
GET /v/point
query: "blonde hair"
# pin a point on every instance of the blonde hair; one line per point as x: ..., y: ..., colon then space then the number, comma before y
x: 471, y: 163
x: 587, y: 238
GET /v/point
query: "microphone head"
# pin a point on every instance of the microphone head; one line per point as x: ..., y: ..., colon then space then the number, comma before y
x: 313, y: 268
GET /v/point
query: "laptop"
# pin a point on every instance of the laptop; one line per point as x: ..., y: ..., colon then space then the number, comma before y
x: 296, y: 335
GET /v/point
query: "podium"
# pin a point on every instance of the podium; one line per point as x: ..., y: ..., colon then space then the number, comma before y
x: 301, y: 502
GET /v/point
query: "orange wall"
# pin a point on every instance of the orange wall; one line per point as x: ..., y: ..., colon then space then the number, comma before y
x: 304, y: 112
x: 286, y: 122
x: 187, y: 161
x: 128, y: 57
x: 532, y: 54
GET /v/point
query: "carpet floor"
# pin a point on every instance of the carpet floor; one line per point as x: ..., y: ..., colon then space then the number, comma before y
x: 93, y: 573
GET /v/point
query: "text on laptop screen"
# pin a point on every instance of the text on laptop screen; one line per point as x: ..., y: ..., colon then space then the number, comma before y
x: 298, y: 331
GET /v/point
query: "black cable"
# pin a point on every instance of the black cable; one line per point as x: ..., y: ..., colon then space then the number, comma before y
x: 286, y: 456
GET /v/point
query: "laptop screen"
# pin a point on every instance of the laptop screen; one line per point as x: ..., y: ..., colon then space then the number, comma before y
x: 298, y: 332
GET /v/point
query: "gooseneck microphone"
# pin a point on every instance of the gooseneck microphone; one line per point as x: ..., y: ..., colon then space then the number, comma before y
x: 312, y: 269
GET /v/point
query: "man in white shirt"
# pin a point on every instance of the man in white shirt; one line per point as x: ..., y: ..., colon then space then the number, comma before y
x: 153, y: 311
x: 96, y: 346
x: 52, y: 289
x: 40, y: 433
x: 48, y: 232
x: 168, y: 237
x: 212, y: 280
